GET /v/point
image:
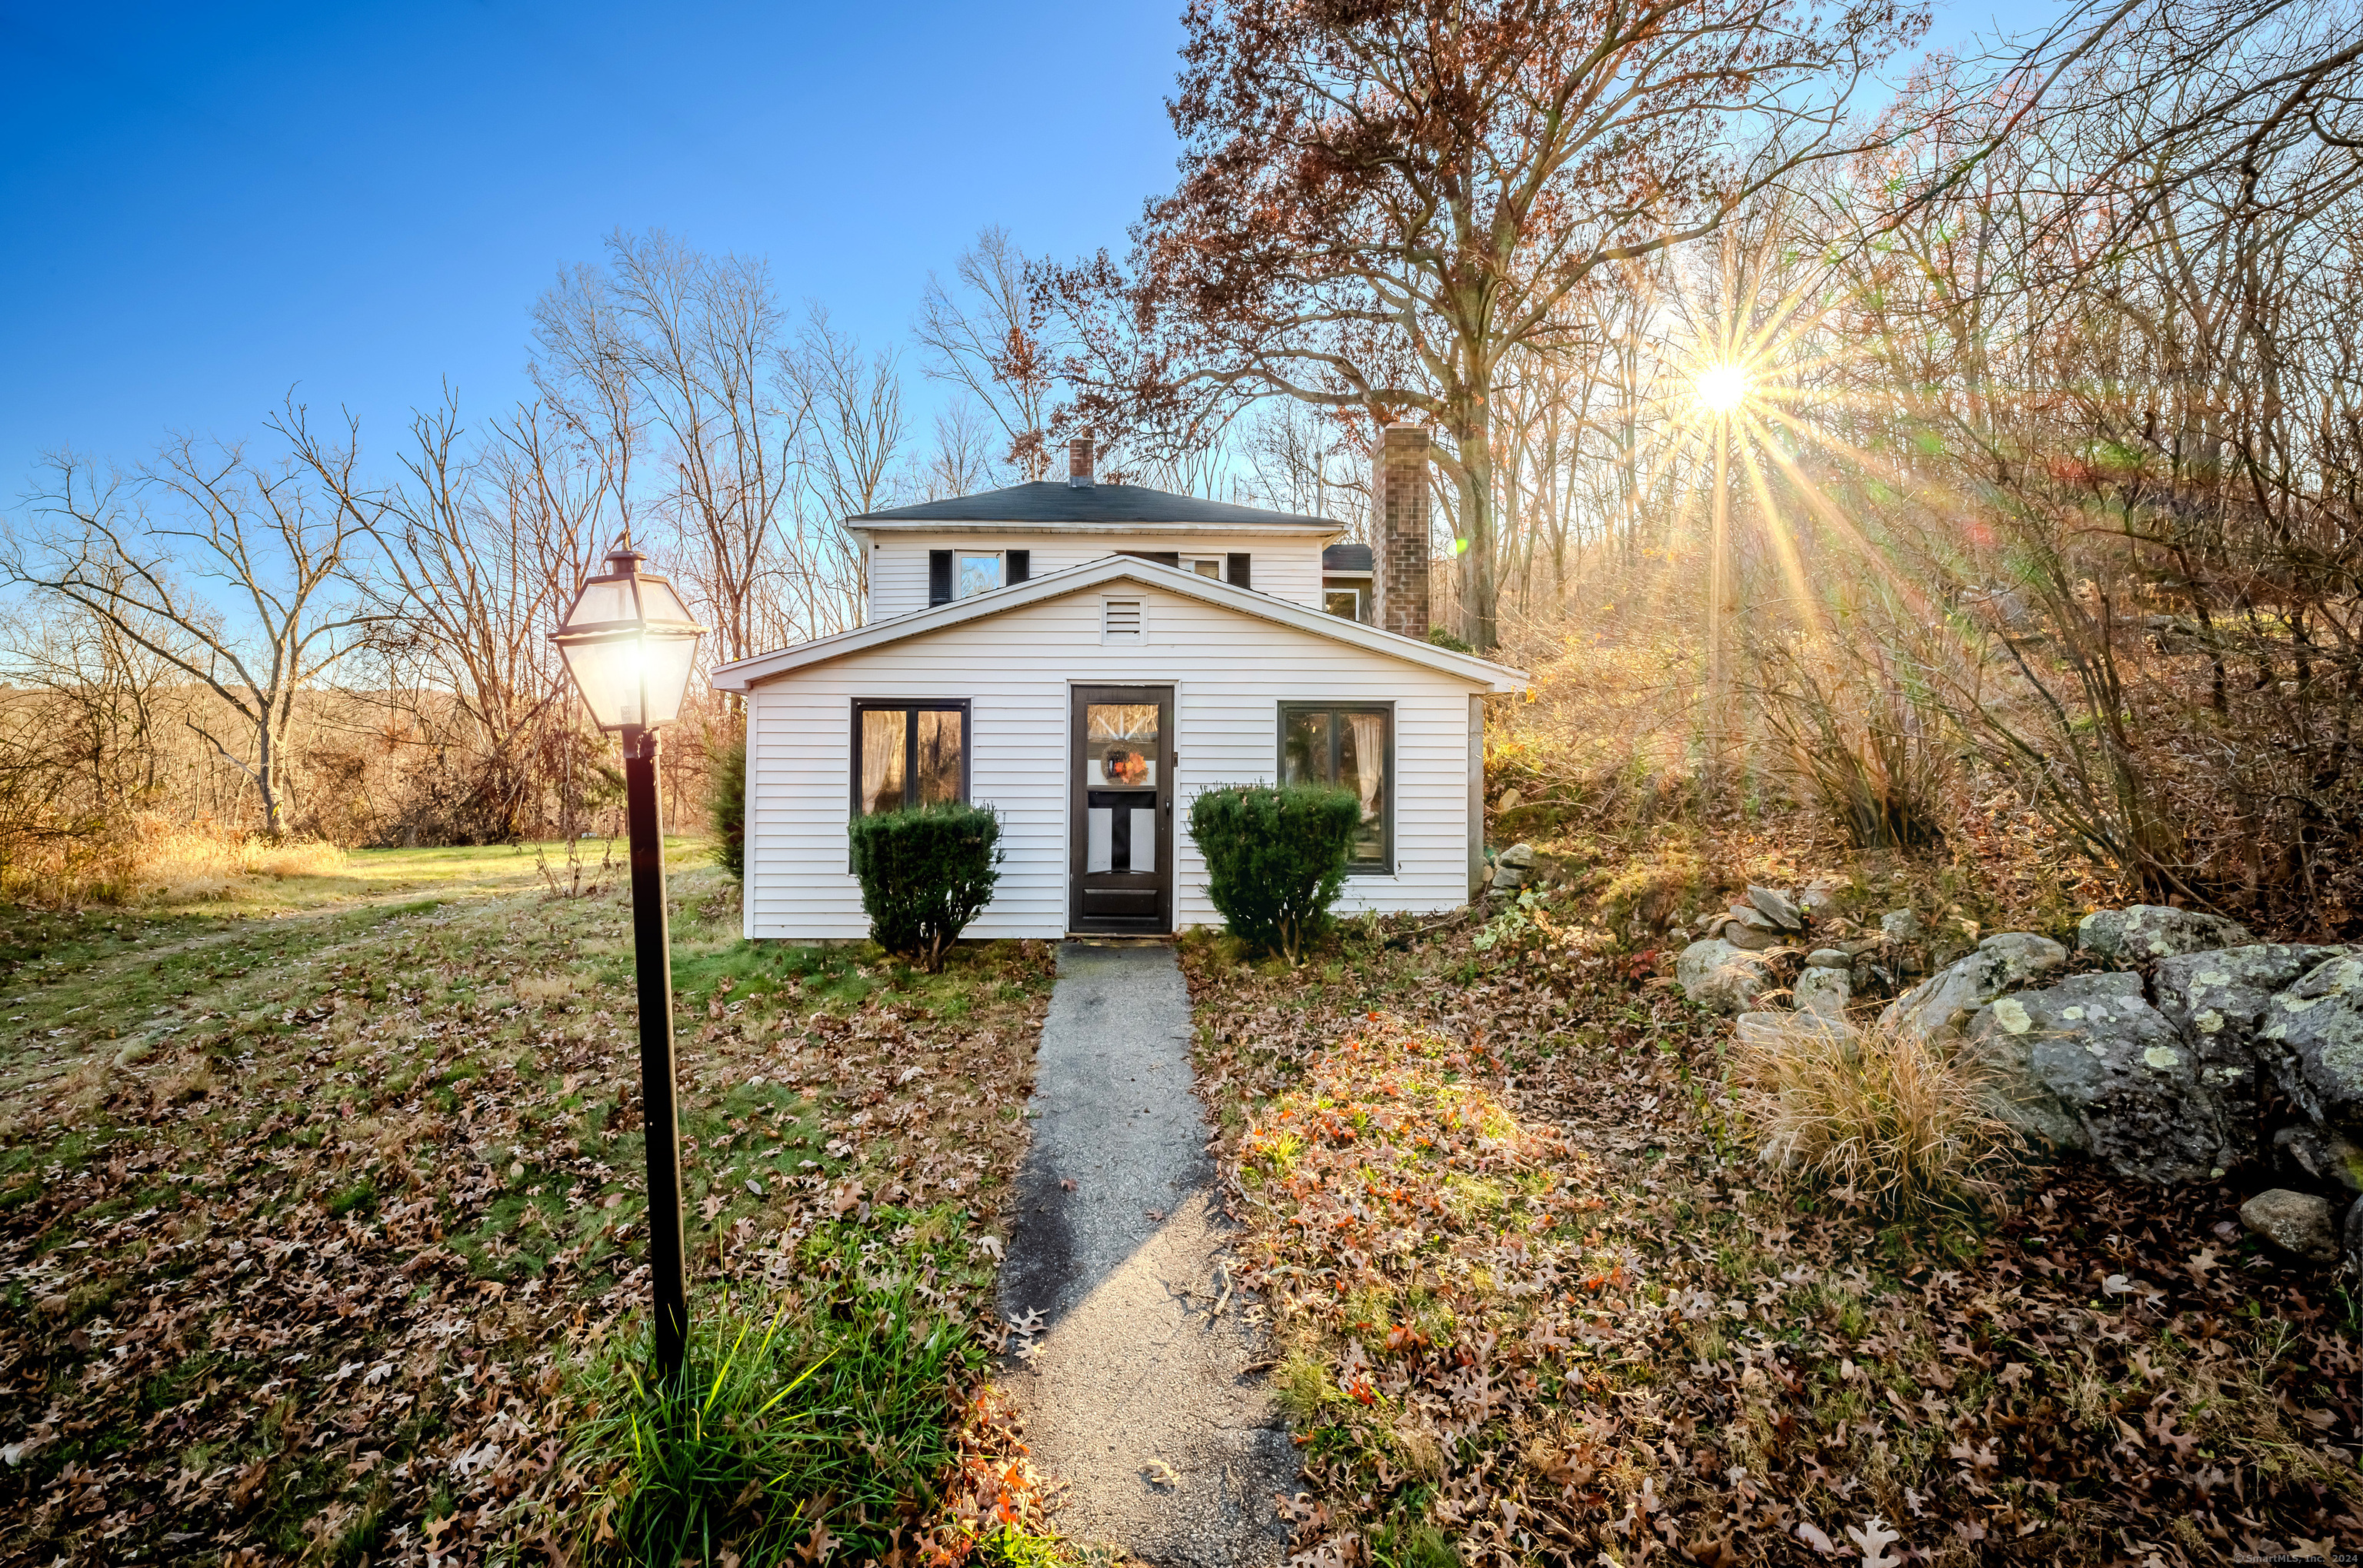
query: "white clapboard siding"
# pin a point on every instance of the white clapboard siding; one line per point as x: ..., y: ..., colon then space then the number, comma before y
x: 1285, y: 569
x: 1230, y: 673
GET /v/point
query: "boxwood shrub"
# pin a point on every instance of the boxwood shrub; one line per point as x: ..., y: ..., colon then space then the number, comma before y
x: 926, y: 872
x: 1275, y: 858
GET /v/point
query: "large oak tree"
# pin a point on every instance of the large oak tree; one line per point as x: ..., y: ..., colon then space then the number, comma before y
x: 1382, y: 202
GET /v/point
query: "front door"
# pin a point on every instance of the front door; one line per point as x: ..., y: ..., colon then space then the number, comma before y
x: 1120, y: 859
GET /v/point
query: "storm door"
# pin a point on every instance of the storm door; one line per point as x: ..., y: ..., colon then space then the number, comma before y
x: 1121, y: 856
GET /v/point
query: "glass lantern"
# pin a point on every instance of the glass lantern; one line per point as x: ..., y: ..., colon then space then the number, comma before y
x: 630, y: 644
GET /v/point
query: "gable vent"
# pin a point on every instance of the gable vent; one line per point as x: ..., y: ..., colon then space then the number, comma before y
x: 1119, y: 620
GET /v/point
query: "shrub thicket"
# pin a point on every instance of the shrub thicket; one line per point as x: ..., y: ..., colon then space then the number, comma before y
x: 1275, y: 857
x: 729, y: 804
x: 926, y: 873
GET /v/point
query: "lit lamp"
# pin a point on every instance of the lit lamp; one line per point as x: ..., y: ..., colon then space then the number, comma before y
x: 629, y: 644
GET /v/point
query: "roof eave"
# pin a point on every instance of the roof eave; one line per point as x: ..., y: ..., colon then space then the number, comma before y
x: 1312, y: 527
x: 743, y: 675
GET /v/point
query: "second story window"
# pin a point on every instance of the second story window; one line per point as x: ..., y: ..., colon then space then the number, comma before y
x: 961, y: 574
x: 979, y: 572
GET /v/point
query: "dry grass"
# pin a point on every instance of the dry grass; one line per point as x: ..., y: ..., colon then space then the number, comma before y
x: 1876, y: 1116
x: 153, y: 860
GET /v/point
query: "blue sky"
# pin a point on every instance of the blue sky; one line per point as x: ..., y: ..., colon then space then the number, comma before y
x: 207, y: 204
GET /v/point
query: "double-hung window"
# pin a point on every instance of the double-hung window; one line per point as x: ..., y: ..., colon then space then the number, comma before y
x: 1352, y: 746
x: 908, y: 754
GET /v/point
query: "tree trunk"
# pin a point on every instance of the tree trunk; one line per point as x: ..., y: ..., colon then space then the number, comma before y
x: 1472, y: 435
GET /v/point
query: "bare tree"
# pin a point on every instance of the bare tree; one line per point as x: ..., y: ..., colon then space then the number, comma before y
x: 987, y: 339
x: 272, y: 552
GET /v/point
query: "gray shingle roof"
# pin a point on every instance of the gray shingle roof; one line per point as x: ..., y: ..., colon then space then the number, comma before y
x: 1345, y: 559
x: 1050, y: 501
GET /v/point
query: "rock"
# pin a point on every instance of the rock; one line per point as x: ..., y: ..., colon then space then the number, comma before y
x: 1820, y: 899
x: 2325, y: 1157
x: 1938, y: 1006
x: 1721, y: 976
x: 2296, y: 1223
x: 1779, y: 908
x: 2312, y: 1038
x: 1748, y: 914
x: 2354, y: 1227
x: 1508, y: 879
x: 2089, y: 1064
x: 1773, y: 1030
x: 1755, y: 939
x: 1829, y: 959
x: 2217, y: 1000
x: 2143, y: 931
x: 1517, y: 857
x: 1900, y: 925
x: 1508, y: 803
x: 1824, y: 993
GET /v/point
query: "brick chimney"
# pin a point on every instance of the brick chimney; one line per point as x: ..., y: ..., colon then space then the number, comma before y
x: 1079, y: 462
x: 1399, y: 543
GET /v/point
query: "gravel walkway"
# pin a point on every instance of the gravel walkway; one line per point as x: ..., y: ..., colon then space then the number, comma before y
x: 1137, y: 1390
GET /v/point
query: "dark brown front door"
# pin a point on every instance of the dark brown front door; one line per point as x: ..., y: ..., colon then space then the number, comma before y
x: 1120, y: 859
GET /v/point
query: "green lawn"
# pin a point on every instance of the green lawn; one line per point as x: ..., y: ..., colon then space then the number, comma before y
x: 315, y: 1200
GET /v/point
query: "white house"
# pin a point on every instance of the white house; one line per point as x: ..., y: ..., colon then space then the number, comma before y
x: 1084, y: 658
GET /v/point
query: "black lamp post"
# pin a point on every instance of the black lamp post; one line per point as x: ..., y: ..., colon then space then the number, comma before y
x: 629, y: 644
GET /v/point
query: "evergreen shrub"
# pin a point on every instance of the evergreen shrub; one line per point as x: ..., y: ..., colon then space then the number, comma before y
x: 1275, y: 858
x: 729, y: 806
x: 926, y: 872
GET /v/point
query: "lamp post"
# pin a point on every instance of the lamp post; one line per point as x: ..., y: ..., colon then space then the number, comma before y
x: 628, y: 642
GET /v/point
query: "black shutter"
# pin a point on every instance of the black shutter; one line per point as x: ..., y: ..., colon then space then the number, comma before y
x: 1021, y: 565
x: 1236, y: 570
x: 940, y: 577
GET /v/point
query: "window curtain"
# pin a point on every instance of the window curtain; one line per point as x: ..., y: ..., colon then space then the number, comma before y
x: 1369, y: 759
x: 881, y: 760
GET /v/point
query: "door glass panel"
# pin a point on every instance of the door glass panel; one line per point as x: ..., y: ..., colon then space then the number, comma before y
x: 1120, y: 742
x: 1363, y: 767
x: 1099, y: 843
x: 1305, y: 759
x: 882, y: 759
x: 1144, y: 839
x: 977, y: 575
x: 940, y: 756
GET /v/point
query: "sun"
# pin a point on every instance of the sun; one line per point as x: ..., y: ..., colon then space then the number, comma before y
x: 1722, y: 388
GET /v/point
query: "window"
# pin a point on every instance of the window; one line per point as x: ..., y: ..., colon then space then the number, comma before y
x: 1205, y: 565
x: 957, y: 574
x: 1352, y: 745
x: 979, y: 572
x: 1344, y: 602
x: 908, y: 754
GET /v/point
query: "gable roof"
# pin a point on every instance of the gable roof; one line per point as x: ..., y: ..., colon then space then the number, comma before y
x: 1050, y: 503
x: 745, y: 673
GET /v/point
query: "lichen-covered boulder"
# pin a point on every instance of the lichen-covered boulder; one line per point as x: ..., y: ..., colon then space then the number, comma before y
x: 2089, y: 1064
x: 2216, y: 1000
x: 2323, y: 1155
x: 1715, y: 974
x: 2143, y: 931
x: 1938, y: 1007
x: 2312, y: 1038
x: 2297, y: 1222
x: 1824, y: 992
